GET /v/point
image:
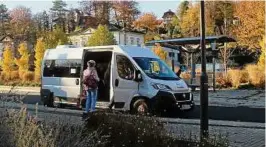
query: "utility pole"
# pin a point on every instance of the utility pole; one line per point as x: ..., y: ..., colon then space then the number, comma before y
x: 124, y: 31
x: 204, y: 120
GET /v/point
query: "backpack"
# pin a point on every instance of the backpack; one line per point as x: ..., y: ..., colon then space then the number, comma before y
x: 90, y: 82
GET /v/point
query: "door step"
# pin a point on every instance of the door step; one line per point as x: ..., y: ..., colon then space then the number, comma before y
x: 104, y: 105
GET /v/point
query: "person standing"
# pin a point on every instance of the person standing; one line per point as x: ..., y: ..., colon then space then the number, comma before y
x: 90, y: 83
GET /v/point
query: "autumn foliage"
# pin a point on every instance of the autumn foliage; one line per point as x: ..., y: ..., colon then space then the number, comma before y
x: 7, y: 64
x: 101, y: 36
x: 23, y: 61
x: 251, y: 28
x: 158, y: 50
x: 39, y: 52
x: 147, y: 21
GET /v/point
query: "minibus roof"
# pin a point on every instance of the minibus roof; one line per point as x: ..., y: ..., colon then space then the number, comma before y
x: 76, y: 53
x: 135, y: 51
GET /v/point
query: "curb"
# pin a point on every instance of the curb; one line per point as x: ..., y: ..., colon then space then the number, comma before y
x: 19, y: 89
x: 219, y: 123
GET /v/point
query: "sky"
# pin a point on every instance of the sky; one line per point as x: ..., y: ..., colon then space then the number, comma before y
x: 157, y: 7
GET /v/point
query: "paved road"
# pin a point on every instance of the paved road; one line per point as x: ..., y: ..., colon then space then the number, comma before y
x: 239, y: 134
x: 233, y: 105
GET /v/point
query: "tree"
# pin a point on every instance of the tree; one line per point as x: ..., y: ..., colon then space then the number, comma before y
x: 101, y: 36
x: 23, y: 61
x: 53, y: 38
x: 252, y: 23
x: 190, y: 23
x: 39, y: 52
x: 8, y: 62
x: 158, y: 50
x: 102, y: 11
x: 182, y: 9
x: 59, y: 13
x: 125, y: 12
x: 71, y: 24
x: 86, y: 7
x: 41, y: 21
x: 261, y: 62
x: 20, y: 22
x: 147, y: 21
x: 3, y: 18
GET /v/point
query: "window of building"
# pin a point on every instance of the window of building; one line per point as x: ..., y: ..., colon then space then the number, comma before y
x: 171, y: 54
x: 62, y: 68
x: 131, y: 40
x: 125, y: 68
x: 138, y: 41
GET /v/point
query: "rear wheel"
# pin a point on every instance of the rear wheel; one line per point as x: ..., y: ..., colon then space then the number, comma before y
x: 140, y: 107
x: 50, y: 101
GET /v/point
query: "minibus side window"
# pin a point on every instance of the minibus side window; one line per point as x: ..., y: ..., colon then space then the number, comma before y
x: 125, y: 68
x: 62, y: 68
x: 48, y: 70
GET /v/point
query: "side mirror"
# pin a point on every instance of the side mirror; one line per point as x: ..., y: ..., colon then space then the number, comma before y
x: 138, y: 76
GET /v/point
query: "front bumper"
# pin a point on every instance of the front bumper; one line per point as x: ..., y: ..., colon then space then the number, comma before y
x: 165, y: 100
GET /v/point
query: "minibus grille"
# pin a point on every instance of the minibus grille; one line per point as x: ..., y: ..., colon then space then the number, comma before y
x: 182, y: 96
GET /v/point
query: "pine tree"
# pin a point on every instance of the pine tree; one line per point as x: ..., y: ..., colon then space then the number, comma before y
x: 39, y: 52
x: 8, y: 62
x: 23, y: 61
x: 101, y: 36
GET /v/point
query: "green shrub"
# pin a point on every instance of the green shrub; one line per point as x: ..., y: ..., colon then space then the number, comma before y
x: 100, y: 130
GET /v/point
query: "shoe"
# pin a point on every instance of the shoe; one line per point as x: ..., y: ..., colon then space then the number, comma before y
x: 84, y: 115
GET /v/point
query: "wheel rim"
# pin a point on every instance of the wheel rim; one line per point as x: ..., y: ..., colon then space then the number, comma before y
x: 141, y: 109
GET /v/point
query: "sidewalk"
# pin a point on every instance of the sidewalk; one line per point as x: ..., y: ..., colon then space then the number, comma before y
x: 20, y: 89
x: 239, y: 134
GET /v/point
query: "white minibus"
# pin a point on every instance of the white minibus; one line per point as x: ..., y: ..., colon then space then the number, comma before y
x: 132, y: 79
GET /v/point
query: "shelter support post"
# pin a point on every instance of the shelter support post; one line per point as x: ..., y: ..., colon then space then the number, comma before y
x: 204, y: 117
x: 214, y: 51
x: 193, y: 72
x: 213, y: 75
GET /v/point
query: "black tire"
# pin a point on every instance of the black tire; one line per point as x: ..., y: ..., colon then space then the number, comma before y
x: 140, y: 107
x: 50, y: 101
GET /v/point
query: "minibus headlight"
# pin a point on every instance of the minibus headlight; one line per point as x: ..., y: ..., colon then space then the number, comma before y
x: 161, y: 87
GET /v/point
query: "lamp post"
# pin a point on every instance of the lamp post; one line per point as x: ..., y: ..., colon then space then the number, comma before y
x: 204, y: 124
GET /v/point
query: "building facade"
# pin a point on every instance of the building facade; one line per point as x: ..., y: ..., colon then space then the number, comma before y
x: 127, y: 37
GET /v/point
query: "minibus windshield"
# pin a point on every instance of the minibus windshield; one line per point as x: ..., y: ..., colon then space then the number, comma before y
x: 155, y: 68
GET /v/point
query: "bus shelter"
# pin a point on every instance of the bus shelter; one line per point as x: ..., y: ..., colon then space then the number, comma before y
x: 181, y: 43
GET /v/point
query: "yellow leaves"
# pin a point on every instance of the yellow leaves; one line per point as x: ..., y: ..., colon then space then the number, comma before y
x: 8, y: 61
x: 190, y: 22
x: 39, y: 52
x: 158, y: 50
x: 261, y: 62
x: 147, y: 21
x: 252, y: 22
x: 23, y: 61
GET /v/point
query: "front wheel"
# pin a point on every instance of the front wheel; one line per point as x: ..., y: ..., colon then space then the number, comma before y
x: 140, y: 107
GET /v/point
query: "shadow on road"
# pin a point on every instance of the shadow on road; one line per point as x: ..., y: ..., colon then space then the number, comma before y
x: 245, y: 114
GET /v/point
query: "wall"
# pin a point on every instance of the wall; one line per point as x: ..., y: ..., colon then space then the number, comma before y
x: 131, y: 38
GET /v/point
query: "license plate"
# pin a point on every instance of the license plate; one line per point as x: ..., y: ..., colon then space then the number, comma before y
x: 185, y: 107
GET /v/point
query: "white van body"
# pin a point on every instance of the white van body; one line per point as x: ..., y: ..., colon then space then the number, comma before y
x: 133, y: 81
